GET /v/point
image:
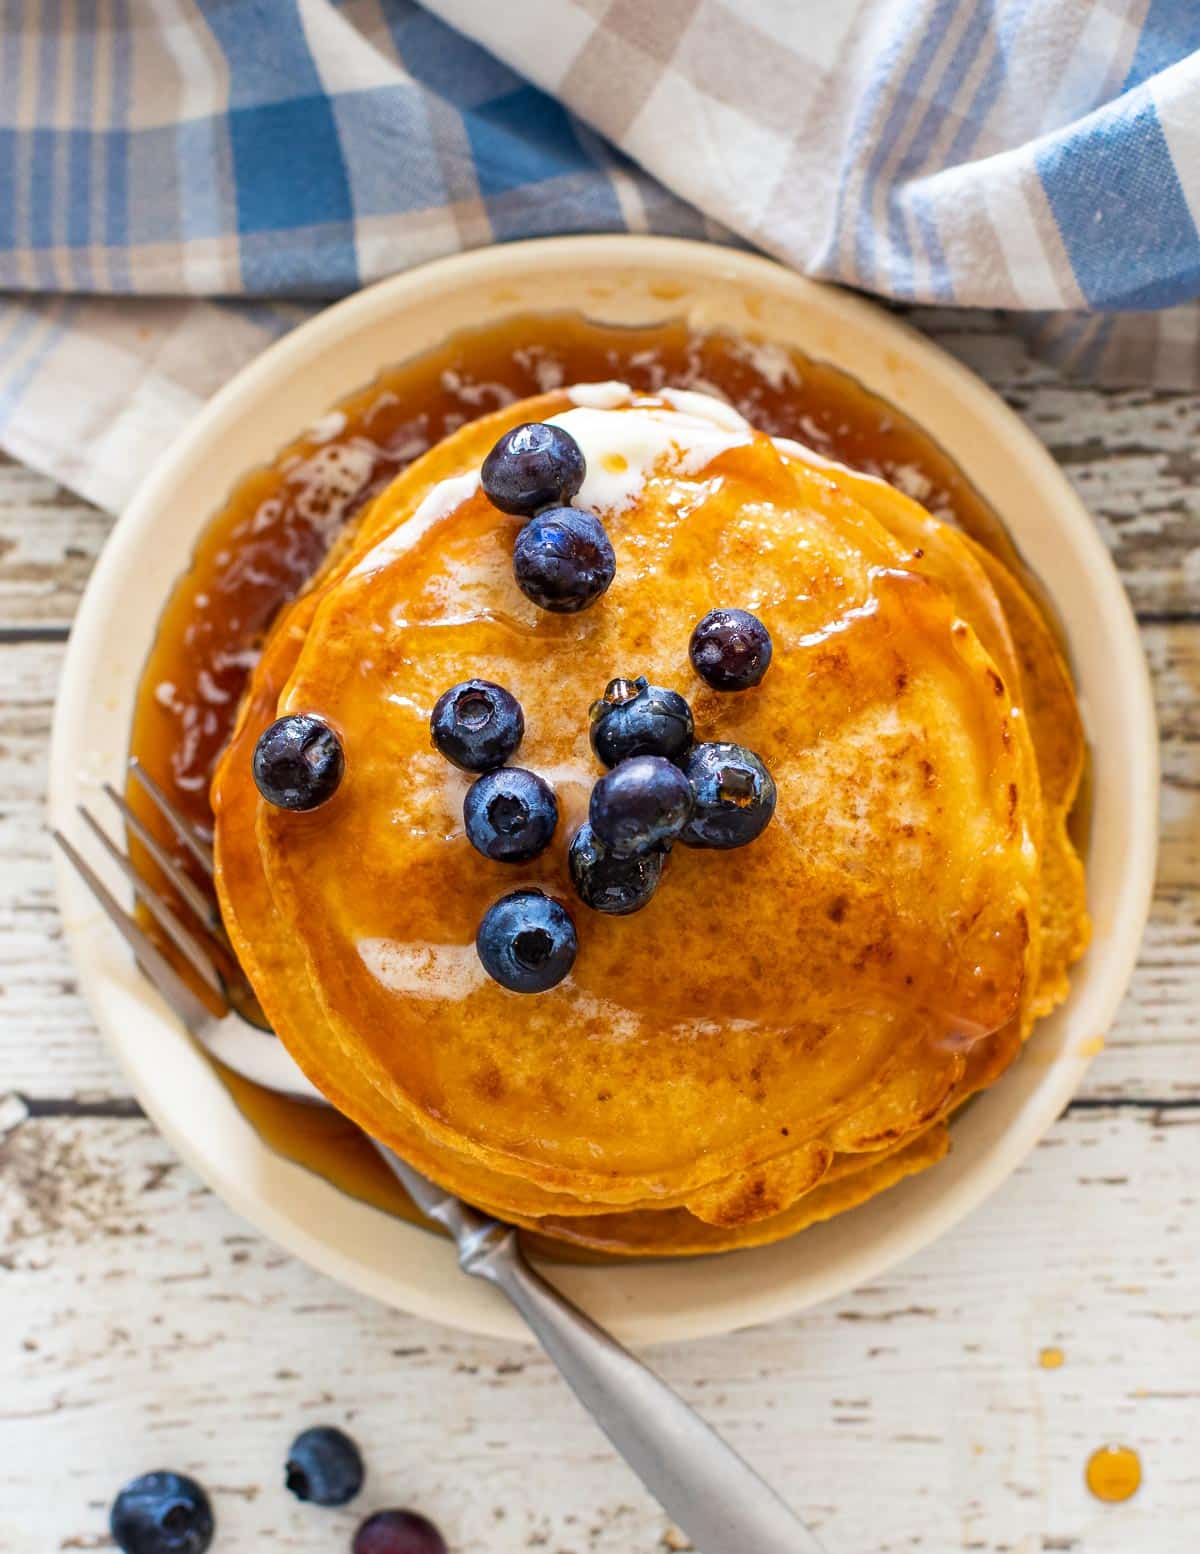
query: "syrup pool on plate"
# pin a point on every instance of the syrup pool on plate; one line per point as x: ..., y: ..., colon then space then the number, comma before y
x: 280, y: 520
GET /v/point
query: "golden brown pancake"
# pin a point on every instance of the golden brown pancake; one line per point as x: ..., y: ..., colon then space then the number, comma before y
x: 779, y: 1033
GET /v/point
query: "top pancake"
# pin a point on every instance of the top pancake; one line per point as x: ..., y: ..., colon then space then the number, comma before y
x: 815, y: 995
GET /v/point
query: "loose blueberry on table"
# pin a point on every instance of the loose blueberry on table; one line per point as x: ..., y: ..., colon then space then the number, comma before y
x: 510, y: 815
x: 324, y: 1466
x: 298, y: 762
x: 608, y: 883
x: 730, y: 650
x: 398, y: 1532
x: 534, y: 466
x: 477, y: 725
x: 637, y: 718
x: 642, y: 804
x: 734, y: 796
x: 162, y: 1513
x: 563, y: 560
x: 527, y: 942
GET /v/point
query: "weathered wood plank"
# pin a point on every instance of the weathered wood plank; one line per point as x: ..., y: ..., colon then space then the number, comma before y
x: 52, y: 1049
x: 148, y: 1327
x: 49, y: 541
x: 1131, y: 454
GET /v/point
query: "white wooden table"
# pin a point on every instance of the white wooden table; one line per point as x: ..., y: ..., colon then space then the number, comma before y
x: 143, y: 1325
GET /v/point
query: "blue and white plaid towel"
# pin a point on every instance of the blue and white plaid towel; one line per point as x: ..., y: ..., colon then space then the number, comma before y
x: 156, y: 155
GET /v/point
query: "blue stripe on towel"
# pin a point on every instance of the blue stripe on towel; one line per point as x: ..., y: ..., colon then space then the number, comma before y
x: 1120, y: 208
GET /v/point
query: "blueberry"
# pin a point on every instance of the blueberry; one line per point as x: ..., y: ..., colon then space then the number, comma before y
x: 735, y: 796
x: 730, y: 650
x: 641, y: 804
x: 398, y: 1532
x: 324, y: 1466
x: 477, y: 725
x: 527, y: 942
x: 533, y: 466
x: 563, y: 560
x: 510, y: 815
x: 637, y: 718
x: 607, y: 883
x: 162, y: 1513
x: 298, y: 762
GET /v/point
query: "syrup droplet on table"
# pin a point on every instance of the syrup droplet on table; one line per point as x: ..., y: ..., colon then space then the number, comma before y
x: 1114, y: 1473
x: 1050, y: 1359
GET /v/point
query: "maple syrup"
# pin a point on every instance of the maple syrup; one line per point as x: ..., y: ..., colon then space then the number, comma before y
x: 1114, y: 1473
x: 280, y: 520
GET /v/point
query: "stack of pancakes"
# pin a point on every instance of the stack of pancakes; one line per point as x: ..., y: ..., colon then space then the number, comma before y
x: 785, y: 1029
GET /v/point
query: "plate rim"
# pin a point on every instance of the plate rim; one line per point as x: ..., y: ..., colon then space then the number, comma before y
x: 464, y: 1304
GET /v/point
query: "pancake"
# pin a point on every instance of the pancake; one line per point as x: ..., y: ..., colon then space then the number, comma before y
x: 782, y: 1030
x: 1048, y: 702
x: 676, y: 1233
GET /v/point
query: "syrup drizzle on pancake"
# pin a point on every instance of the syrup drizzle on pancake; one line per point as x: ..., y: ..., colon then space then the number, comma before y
x: 895, y: 752
x: 269, y: 539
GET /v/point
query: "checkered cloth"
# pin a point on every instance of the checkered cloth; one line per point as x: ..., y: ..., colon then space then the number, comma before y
x: 158, y: 155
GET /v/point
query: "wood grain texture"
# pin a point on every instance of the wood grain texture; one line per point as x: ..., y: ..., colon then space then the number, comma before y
x: 149, y: 1327
x: 144, y: 1325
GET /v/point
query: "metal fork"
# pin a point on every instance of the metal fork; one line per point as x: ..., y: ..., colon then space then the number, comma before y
x: 204, y: 945
x: 700, y: 1481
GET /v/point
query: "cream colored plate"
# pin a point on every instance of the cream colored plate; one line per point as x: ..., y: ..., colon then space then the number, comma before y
x: 626, y: 280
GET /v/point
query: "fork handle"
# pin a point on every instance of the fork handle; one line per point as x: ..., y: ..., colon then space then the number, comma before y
x: 701, y: 1482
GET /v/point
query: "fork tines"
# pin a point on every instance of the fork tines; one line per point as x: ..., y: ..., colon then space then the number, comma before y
x: 196, y: 947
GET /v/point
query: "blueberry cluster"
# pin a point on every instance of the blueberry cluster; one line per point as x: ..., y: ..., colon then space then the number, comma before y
x: 526, y: 940
x: 563, y: 559
x: 661, y: 787
x: 169, y: 1513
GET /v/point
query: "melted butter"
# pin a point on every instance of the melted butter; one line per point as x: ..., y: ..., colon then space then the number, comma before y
x: 807, y: 455
x: 599, y: 396
x: 445, y: 498
x: 273, y: 532
x: 1114, y: 1473
x: 622, y: 446
x: 422, y: 970
x: 705, y: 407
x: 621, y: 451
